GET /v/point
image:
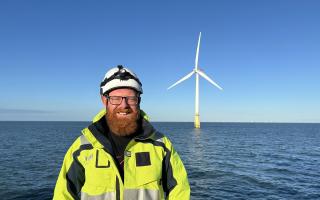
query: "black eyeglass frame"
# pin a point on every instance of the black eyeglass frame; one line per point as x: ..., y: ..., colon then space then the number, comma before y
x: 123, y: 97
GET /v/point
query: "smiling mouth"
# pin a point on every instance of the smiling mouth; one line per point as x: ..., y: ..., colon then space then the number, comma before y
x: 124, y: 113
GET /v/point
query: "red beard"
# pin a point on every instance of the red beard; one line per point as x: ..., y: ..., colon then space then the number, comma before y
x: 123, y: 126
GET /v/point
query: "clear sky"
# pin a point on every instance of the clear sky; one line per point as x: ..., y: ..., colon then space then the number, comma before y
x: 265, y: 55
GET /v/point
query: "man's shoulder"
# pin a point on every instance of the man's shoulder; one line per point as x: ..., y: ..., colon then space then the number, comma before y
x: 161, y: 139
x: 157, y: 135
x: 80, y: 142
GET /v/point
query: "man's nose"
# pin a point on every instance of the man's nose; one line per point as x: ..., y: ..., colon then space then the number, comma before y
x: 124, y: 103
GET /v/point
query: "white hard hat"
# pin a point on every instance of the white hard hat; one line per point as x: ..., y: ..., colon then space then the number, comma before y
x: 120, y: 77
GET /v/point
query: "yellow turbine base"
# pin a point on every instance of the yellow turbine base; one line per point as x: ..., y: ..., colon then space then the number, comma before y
x: 197, y: 121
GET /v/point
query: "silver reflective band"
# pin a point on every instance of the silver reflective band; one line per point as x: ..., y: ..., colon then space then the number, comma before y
x: 141, y: 194
x: 83, y: 140
x: 105, y: 196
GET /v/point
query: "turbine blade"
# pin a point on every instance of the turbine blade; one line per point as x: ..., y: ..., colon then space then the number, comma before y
x: 179, y: 81
x: 201, y: 73
x: 197, y: 53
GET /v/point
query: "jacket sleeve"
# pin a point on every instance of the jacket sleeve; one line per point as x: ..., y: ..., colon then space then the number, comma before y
x: 71, y: 176
x: 175, y: 179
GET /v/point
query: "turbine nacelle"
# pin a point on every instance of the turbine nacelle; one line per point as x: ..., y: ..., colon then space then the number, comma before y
x: 201, y: 73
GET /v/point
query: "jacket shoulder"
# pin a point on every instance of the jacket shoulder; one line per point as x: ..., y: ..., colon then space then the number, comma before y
x: 79, y: 143
x: 162, y: 139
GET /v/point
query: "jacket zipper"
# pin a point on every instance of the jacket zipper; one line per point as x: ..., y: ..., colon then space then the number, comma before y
x: 117, y: 176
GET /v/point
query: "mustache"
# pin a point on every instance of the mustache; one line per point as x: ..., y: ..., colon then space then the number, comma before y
x: 126, y: 110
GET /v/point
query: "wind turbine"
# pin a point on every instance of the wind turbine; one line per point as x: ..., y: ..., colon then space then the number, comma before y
x: 198, y: 72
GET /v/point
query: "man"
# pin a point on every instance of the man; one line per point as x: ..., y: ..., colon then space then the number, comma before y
x: 120, y: 155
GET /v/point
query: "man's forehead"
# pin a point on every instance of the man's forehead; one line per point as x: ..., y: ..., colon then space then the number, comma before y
x: 123, y: 92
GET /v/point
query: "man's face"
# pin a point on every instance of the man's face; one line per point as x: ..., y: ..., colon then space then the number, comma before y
x: 122, y: 118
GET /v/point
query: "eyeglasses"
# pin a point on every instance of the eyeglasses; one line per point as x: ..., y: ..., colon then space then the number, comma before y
x: 117, y: 100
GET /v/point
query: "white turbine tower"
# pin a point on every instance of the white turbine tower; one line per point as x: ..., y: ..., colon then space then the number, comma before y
x: 198, y: 72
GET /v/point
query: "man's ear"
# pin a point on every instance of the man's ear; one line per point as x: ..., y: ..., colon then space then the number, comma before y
x: 104, y: 100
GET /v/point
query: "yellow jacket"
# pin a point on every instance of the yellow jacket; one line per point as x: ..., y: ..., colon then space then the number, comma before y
x: 152, y: 168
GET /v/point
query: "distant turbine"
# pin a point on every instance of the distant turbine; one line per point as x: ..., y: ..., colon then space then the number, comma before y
x: 198, y: 72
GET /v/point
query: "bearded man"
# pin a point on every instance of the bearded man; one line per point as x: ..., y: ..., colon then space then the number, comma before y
x: 120, y: 155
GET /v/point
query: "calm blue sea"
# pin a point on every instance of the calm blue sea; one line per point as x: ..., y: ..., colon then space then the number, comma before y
x: 223, y: 160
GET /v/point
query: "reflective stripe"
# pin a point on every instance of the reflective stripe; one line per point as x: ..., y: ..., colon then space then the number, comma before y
x: 141, y: 194
x: 83, y: 140
x: 160, y: 140
x: 105, y: 196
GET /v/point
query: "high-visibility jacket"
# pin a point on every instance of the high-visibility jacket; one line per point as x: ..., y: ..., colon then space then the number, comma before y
x: 152, y: 168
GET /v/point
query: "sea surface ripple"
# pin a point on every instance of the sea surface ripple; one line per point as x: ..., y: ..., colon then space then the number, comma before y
x: 223, y: 160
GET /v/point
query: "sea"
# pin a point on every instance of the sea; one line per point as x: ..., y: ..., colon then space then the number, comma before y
x: 223, y: 160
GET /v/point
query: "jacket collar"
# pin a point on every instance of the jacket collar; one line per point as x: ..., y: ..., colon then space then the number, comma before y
x: 95, y: 133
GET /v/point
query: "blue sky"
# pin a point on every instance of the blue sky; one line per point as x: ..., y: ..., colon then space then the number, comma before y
x: 265, y: 54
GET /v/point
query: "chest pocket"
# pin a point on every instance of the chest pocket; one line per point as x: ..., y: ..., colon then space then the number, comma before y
x: 101, y: 172
x: 148, y: 168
